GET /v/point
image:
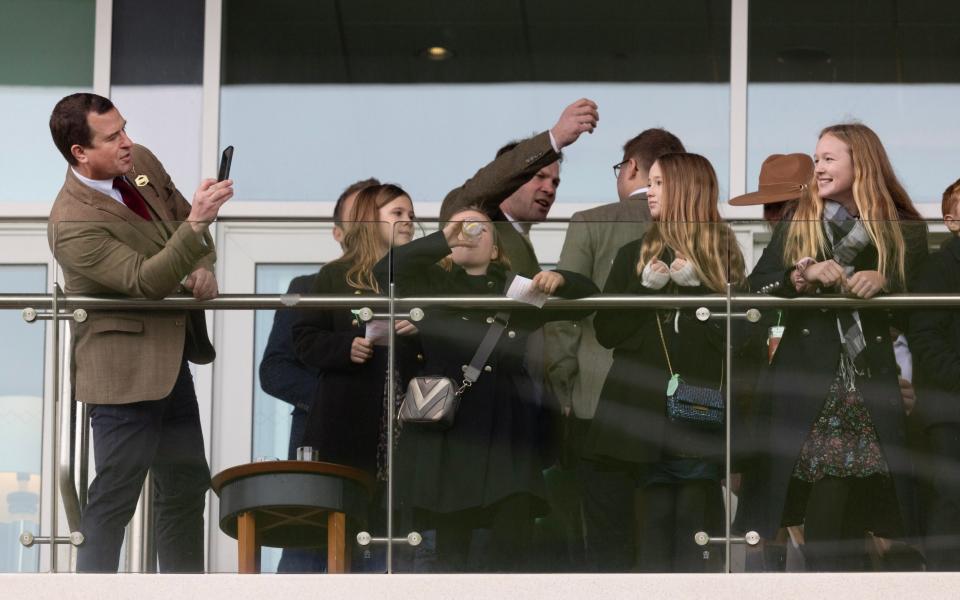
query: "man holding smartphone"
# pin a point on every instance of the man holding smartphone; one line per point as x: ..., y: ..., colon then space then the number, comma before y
x: 119, y: 226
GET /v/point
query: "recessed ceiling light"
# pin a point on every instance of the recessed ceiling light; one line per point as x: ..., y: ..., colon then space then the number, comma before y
x: 804, y: 55
x: 437, y: 53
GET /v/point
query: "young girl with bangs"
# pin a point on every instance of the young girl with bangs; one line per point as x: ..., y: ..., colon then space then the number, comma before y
x: 688, y: 250
x: 485, y: 471
x: 832, y: 422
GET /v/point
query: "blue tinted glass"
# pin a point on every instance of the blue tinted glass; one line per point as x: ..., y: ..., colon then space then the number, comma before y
x: 21, y: 420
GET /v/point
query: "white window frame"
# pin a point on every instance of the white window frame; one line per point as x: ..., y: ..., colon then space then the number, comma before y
x: 25, y: 243
x: 241, y: 247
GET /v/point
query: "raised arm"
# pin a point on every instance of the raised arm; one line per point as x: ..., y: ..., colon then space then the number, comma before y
x: 506, y: 173
x: 416, y: 261
x: 95, y: 250
x: 411, y: 261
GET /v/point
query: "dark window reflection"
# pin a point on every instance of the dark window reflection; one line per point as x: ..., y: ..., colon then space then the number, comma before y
x: 858, y: 41
x: 460, y: 41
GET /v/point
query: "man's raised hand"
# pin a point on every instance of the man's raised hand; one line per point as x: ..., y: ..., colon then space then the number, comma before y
x: 575, y: 119
x: 207, y: 201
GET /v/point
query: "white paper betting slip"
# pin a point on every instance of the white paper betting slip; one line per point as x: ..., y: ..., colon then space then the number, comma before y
x: 378, y: 331
x: 522, y: 290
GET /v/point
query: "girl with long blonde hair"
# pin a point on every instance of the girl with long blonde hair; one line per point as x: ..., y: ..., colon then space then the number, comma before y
x: 688, y: 250
x: 832, y: 416
x: 346, y: 422
x: 687, y: 223
x: 381, y: 217
x: 856, y: 174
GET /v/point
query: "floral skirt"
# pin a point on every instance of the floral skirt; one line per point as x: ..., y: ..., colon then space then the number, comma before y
x: 843, y: 441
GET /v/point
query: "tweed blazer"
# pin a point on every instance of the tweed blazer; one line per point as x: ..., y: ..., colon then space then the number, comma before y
x: 577, y: 364
x: 119, y: 357
x: 492, y: 184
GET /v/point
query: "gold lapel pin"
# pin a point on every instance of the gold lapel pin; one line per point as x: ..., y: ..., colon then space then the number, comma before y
x: 141, y: 180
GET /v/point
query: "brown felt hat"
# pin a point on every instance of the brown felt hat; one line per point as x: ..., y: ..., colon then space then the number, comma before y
x: 782, y: 178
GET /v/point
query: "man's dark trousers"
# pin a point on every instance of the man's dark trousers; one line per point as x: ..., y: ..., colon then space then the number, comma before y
x: 164, y: 437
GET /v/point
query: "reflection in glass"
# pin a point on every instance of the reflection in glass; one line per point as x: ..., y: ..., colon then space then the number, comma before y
x: 21, y: 412
x: 273, y: 418
x: 833, y: 464
x: 479, y: 483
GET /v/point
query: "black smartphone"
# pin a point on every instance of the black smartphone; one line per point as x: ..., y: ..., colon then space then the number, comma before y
x: 225, y: 161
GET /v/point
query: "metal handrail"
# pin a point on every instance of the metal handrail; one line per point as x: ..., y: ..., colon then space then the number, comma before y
x: 278, y: 301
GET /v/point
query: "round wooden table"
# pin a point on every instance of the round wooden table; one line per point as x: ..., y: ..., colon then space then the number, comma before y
x: 291, y: 504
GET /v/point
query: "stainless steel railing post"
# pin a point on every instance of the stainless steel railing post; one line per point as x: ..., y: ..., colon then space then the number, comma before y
x: 65, y: 463
x: 727, y: 509
x: 141, y: 533
x: 83, y: 471
x: 391, y: 394
x: 62, y: 419
x: 55, y: 428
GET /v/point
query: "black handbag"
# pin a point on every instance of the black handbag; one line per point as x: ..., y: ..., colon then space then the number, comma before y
x: 433, y: 400
x: 690, y: 403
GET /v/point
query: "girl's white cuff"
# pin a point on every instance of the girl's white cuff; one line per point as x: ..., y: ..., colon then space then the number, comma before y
x: 685, y: 276
x: 652, y: 279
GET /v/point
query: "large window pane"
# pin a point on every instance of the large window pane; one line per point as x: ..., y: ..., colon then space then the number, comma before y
x: 157, y: 43
x: 890, y: 65
x: 47, y: 50
x: 271, y: 416
x: 271, y: 421
x: 371, y: 41
x: 156, y: 71
x: 46, y: 42
x: 515, y: 64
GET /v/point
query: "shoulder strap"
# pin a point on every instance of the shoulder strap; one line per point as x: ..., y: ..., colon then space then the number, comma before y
x: 663, y: 344
x: 486, y: 347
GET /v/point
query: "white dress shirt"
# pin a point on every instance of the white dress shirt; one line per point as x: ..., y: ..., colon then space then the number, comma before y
x: 104, y: 186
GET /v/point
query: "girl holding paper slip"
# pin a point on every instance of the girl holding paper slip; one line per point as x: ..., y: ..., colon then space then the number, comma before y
x: 485, y: 471
x: 659, y: 420
x: 346, y: 423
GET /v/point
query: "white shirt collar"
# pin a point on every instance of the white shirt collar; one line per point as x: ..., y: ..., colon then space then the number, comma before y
x: 104, y: 186
x: 637, y: 192
x: 514, y: 222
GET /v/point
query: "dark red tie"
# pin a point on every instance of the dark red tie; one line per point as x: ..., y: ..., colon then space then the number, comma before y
x: 132, y: 198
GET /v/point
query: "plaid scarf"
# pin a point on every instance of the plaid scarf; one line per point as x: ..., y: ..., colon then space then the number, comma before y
x: 849, y: 237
